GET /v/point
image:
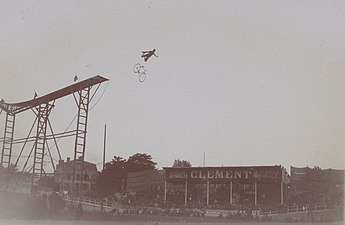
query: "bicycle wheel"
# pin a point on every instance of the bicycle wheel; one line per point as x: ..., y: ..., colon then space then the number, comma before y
x: 137, y: 68
x: 142, y: 77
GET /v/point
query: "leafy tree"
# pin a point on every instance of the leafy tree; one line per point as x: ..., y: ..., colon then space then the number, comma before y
x: 181, y: 163
x: 7, y: 173
x: 140, y: 162
x: 9, y: 170
x: 111, y: 179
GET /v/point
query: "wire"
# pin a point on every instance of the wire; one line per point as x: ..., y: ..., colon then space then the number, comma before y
x: 63, y: 133
x: 106, y: 87
x: 48, y: 137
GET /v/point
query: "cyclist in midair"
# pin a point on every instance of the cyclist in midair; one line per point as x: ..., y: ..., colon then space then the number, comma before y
x: 147, y: 54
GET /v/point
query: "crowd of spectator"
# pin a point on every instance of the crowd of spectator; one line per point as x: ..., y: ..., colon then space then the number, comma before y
x: 151, y: 201
x: 154, y: 201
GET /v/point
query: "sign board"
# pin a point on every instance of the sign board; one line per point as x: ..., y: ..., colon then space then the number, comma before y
x: 224, y: 174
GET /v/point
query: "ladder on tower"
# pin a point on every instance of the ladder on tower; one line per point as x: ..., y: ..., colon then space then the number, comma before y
x: 43, y: 112
x: 80, y: 140
x: 42, y: 108
x: 7, y: 141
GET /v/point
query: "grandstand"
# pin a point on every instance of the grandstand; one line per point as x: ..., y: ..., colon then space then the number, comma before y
x: 239, y: 192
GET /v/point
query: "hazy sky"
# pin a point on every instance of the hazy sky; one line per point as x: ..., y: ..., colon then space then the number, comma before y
x: 245, y: 82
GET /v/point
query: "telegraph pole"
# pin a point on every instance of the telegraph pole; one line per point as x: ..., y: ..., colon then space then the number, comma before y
x: 104, y: 144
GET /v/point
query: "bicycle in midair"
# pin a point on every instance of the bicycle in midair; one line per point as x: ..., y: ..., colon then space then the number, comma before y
x: 140, y: 70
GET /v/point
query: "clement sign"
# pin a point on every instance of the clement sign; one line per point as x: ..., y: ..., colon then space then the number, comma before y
x: 224, y: 174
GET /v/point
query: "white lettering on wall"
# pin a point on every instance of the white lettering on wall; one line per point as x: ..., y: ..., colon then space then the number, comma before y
x: 228, y: 174
x: 210, y: 174
x: 219, y: 174
x: 238, y: 174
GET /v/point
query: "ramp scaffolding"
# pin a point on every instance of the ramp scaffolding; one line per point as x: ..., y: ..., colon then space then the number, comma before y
x: 43, y: 111
x: 7, y: 140
x: 42, y: 107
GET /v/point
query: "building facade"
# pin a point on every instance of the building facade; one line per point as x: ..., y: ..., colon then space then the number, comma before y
x: 85, y: 175
x: 227, y: 186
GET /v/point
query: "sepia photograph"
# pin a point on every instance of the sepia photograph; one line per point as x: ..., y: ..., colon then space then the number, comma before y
x: 193, y: 112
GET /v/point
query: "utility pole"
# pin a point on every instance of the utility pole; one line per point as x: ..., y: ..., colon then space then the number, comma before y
x: 104, y: 144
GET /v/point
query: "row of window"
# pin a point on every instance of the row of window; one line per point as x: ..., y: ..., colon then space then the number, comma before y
x: 78, y: 177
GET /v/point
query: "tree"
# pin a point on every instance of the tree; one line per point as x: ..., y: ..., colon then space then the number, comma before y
x: 11, y: 169
x: 111, y: 179
x: 181, y: 163
x: 140, y: 162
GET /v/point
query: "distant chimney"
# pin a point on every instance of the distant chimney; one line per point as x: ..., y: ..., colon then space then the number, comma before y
x: 68, y: 159
x: 60, y: 164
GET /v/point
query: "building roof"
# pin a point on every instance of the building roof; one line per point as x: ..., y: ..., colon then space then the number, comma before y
x: 67, y: 167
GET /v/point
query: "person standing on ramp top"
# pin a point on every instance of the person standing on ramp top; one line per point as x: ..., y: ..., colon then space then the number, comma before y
x: 147, y: 54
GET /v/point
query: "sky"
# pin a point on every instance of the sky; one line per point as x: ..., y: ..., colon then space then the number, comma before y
x: 243, y: 83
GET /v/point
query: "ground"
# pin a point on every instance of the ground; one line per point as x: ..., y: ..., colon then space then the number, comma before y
x: 84, y: 222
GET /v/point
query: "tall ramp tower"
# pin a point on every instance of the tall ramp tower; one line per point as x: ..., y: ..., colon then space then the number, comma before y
x: 42, y: 107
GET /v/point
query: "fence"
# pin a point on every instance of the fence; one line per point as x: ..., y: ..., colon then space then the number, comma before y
x: 316, y: 207
x: 305, y: 208
x: 88, y: 200
x: 291, y: 209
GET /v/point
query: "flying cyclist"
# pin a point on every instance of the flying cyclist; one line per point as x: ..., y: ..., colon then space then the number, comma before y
x: 147, y: 54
